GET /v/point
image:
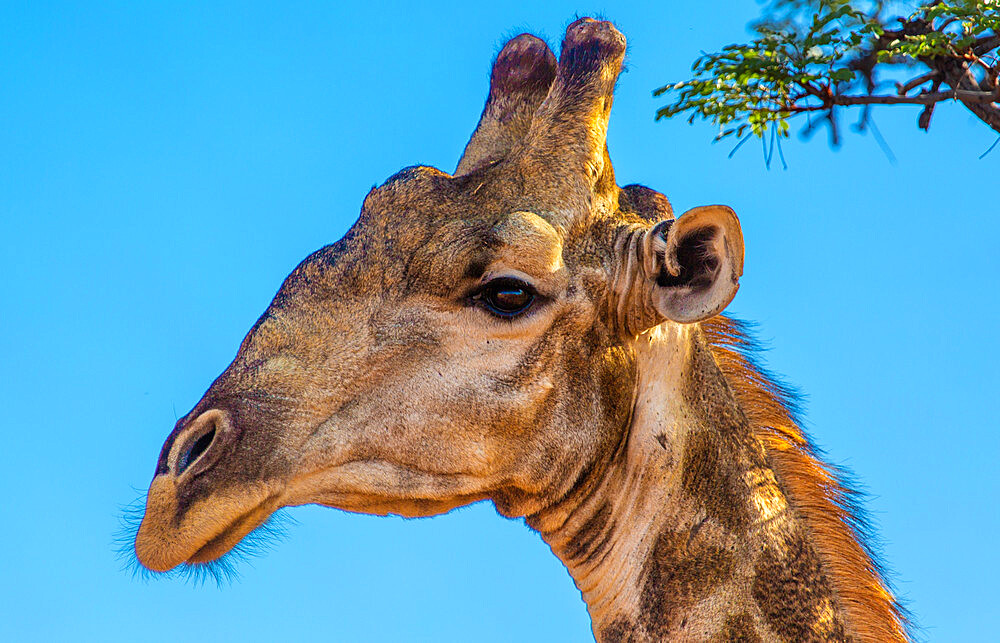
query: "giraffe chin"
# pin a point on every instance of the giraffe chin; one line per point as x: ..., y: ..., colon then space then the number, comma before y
x: 205, y: 531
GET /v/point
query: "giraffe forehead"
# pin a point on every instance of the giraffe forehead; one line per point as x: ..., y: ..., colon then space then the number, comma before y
x: 463, y: 250
x: 423, y: 231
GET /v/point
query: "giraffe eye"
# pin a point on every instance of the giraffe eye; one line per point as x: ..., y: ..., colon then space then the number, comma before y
x: 505, y: 297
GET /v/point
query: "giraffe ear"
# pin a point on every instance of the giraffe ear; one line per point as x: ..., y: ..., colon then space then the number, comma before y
x: 696, y: 261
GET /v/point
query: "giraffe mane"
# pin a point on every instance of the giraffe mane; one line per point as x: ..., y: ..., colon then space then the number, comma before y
x: 820, y: 493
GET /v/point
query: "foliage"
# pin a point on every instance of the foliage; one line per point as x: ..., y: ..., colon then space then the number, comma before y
x: 820, y: 56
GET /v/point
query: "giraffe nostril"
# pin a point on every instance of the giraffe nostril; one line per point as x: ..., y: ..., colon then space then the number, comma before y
x: 195, y: 450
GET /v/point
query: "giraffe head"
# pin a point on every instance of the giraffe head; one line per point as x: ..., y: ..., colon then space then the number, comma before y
x: 469, y: 338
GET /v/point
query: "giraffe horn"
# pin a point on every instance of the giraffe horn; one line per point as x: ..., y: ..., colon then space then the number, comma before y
x: 568, y: 135
x: 522, y: 73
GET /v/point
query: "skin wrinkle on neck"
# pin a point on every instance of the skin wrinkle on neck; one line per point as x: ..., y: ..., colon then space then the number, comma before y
x: 610, y: 581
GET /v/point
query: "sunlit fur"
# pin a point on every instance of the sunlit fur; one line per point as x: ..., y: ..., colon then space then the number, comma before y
x: 823, y: 494
x: 222, y: 571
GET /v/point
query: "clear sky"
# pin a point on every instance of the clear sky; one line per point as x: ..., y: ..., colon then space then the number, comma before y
x: 164, y: 166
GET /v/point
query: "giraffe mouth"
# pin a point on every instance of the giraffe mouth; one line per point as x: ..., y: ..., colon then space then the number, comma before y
x: 223, y: 542
x: 204, y: 532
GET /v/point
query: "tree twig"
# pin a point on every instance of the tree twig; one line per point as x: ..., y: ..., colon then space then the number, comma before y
x: 903, y: 90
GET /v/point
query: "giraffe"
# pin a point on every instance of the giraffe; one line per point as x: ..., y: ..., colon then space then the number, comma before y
x: 524, y: 331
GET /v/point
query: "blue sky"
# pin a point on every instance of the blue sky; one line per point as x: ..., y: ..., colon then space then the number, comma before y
x: 163, y: 167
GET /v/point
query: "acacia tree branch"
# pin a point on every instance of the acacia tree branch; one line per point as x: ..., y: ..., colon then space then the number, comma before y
x: 986, y: 44
x: 926, y: 98
x: 828, y: 54
x: 961, y: 76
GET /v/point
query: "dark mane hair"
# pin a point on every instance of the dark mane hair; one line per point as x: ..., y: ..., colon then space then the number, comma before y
x: 820, y: 493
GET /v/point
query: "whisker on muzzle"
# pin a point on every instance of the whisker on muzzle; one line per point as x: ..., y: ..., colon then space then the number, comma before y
x: 223, y: 571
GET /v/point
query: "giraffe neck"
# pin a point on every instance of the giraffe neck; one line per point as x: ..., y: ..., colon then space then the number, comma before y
x: 684, y: 533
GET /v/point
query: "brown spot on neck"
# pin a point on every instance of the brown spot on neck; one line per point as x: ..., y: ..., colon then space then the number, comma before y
x: 619, y: 631
x: 680, y: 571
x: 714, y: 481
x: 794, y: 594
x: 738, y: 628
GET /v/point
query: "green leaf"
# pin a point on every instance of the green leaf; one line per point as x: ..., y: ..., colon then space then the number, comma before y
x: 800, y: 45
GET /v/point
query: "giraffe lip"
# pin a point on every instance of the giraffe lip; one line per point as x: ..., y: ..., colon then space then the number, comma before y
x: 224, y: 541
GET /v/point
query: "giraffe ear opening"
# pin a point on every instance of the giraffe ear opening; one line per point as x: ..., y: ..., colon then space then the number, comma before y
x: 699, y: 261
